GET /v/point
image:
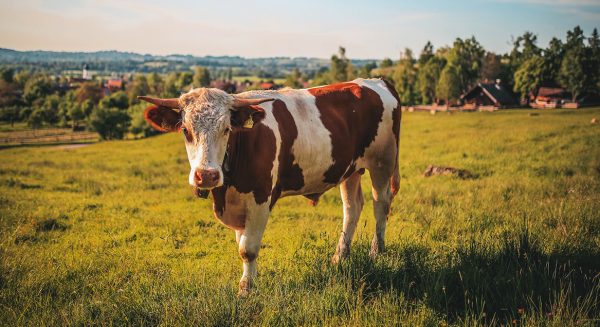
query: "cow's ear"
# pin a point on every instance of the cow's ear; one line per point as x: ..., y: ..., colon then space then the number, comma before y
x: 246, y: 117
x: 163, y: 119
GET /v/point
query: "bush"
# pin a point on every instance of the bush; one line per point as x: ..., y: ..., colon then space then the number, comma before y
x: 110, y: 123
x: 139, y: 125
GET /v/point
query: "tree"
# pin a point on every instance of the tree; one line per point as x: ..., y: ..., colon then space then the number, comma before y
x: 553, y: 56
x: 185, y: 80
x: 111, y: 123
x: 572, y: 75
x: 156, y: 84
x: 405, y: 76
x: 524, y: 47
x: 294, y: 79
x: 426, y: 54
x: 593, y: 55
x: 491, y: 66
x: 139, y: 125
x: 45, y: 112
x: 386, y: 63
x: 37, y: 88
x: 171, y: 89
x: 91, y: 91
x: 7, y: 74
x: 341, y: 68
x: 138, y: 87
x: 466, y: 56
x: 365, y: 71
x: 448, y: 86
x: 117, y: 100
x: 428, y: 76
x: 10, y: 115
x: 201, y: 77
x: 528, y: 77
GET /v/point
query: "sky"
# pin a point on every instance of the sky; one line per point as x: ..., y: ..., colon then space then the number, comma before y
x: 372, y: 29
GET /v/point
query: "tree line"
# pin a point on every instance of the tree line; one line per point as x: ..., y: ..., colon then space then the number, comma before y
x: 442, y: 75
x: 39, y: 99
x: 438, y: 75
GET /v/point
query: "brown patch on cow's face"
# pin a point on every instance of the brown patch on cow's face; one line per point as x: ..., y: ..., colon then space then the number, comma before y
x: 352, y: 115
x: 290, y: 174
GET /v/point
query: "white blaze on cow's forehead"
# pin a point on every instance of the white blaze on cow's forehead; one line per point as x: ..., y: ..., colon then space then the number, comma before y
x: 206, y: 108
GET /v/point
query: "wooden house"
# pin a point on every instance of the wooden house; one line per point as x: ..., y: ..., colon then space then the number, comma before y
x: 488, y: 96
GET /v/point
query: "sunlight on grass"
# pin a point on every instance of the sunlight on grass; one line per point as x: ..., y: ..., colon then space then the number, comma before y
x: 111, y: 234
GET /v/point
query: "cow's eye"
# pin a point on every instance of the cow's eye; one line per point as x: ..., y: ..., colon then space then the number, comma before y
x: 187, y: 134
x: 227, y: 130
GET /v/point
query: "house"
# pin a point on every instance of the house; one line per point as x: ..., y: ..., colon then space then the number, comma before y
x: 550, y: 97
x: 488, y: 96
x: 114, y: 85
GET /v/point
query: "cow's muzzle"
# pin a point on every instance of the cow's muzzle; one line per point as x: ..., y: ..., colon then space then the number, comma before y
x: 207, y: 178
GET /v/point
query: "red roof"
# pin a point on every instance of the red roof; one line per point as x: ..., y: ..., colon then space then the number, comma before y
x: 551, y: 92
x: 267, y: 86
x: 114, y: 83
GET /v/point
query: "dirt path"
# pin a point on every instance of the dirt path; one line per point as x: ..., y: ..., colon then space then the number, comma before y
x: 71, y: 146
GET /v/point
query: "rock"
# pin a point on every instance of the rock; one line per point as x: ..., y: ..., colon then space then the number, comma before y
x: 594, y: 120
x: 439, y: 170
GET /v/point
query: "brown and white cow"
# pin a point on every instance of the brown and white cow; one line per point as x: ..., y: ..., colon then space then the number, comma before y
x: 251, y: 149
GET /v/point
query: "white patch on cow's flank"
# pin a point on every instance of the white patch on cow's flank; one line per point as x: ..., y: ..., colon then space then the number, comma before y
x: 313, y: 147
x: 384, y: 140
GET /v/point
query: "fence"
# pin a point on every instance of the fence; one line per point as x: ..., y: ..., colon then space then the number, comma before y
x: 46, y: 136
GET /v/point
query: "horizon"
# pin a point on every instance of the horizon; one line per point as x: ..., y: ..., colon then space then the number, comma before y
x: 368, y: 31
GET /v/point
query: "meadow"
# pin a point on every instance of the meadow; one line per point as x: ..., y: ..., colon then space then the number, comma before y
x: 110, y: 234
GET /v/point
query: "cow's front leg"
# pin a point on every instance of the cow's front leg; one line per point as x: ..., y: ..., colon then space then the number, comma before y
x: 249, y: 243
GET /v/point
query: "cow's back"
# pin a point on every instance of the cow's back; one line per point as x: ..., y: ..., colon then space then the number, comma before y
x: 329, y: 132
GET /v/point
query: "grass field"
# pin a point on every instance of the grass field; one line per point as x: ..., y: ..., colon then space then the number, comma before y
x: 109, y: 234
x: 255, y: 79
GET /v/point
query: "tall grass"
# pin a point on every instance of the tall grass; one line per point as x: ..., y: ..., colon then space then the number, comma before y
x: 110, y: 234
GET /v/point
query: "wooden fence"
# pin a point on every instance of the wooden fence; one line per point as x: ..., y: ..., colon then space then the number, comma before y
x: 46, y: 136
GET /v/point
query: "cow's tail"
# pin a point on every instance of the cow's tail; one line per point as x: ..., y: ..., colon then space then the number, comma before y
x: 396, y: 118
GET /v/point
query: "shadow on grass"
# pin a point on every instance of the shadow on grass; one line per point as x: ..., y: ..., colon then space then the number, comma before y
x: 503, y: 282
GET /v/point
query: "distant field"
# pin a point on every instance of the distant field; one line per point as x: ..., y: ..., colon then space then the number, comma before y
x: 109, y: 234
x: 258, y: 79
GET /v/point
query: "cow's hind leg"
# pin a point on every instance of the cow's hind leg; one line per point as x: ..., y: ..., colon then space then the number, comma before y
x: 382, y: 198
x: 249, y: 241
x: 352, y: 198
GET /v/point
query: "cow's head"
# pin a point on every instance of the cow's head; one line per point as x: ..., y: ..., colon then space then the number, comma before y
x: 206, y: 117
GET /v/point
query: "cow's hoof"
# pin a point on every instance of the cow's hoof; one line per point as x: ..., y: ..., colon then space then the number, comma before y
x: 244, y: 289
x: 376, y: 249
x: 335, y: 259
x: 242, y: 293
x: 339, y: 256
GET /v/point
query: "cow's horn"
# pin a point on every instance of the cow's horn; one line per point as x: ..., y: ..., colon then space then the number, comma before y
x: 172, y: 103
x: 242, y: 102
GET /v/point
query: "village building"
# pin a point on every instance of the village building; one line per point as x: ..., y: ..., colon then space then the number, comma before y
x: 549, y: 97
x: 113, y: 85
x: 488, y: 96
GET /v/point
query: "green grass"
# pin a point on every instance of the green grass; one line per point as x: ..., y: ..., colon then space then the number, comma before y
x: 109, y: 234
x: 255, y: 79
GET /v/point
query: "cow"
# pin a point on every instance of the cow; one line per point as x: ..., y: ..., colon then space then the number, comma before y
x: 251, y: 149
